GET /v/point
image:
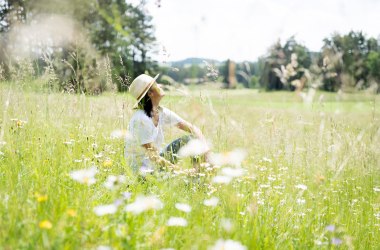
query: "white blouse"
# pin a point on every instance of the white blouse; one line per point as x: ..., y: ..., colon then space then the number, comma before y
x: 142, y: 131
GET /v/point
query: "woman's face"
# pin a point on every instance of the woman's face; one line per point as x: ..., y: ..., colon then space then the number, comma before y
x: 156, y: 92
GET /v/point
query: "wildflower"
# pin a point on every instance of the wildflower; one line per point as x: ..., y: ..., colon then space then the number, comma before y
x: 19, y: 123
x: 271, y: 178
x: 45, y: 224
x: 85, y: 176
x: 97, y: 156
x: 205, y: 165
x: 107, y: 163
x: 301, y: 186
x: 104, y: 248
x: 157, y: 235
x: 144, y: 203
x: 260, y: 202
x: 376, y: 189
x: 320, y: 179
x: 212, y: 202
x: 300, y: 201
x: 40, y: 197
x: 177, y: 221
x: 336, y: 241
x: 114, y: 182
x: 330, y: 228
x: 283, y: 168
x: 105, y: 209
x: 118, y: 202
x: 332, y: 148
x: 319, y: 243
x: 183, y: 207
x: 144, y: 170
x: 71, y: 213
x: 69, y: 142
x: 235, y: 157
x: 377, y: 216
x: 227, y: 224
x: 126, y: 195
x: 193, y: 148
x: 221, y: 179
x: 118, y: 134
x: 265, y: 159
x: 233, y: 172
x: 222, y: 244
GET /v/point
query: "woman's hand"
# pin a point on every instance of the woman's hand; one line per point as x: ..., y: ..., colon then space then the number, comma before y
x: 154, y: 156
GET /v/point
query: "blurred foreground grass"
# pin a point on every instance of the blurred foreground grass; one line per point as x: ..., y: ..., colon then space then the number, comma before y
x: 312, y: 175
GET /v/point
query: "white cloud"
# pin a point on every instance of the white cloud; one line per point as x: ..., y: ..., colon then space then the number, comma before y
x: 245, y: 29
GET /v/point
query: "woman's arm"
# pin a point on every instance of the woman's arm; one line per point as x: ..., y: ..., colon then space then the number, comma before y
x: 188, y: 127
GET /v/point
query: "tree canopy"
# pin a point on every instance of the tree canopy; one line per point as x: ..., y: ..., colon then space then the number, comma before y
x: 100, y: 35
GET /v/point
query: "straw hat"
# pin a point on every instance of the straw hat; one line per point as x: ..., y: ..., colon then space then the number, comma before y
x: 140, y: 86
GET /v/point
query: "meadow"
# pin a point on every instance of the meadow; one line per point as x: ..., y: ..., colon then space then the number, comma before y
x: 310, y: 178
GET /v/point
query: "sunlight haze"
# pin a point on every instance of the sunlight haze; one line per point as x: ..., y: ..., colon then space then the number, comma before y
x: 245, y: 29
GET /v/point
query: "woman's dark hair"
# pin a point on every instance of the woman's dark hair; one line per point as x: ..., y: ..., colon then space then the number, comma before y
x: 147, y: 105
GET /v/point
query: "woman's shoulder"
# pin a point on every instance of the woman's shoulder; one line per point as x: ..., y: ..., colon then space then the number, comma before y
x: 139, y: 115
x: 165, y: 110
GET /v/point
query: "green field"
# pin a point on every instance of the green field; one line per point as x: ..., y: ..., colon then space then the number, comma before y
x: 311, y: 180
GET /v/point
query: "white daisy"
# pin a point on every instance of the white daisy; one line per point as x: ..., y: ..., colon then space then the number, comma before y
x: 221, y: 179
x: 114, y: 182
x: 177, y: 221
x: 212, y: 202
x: 105, y: 209
x: 222, y: 244
x: 183, y: 207
x: 301, y: 186
x: 85, y: 176
x: 144, y: 203
x: 193, y: 148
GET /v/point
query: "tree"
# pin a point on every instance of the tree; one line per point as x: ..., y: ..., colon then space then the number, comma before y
x: 11, y: 12
x: 111, y: 31
x: 373, y: 65
x: 344, y: 60
x: 285, y: 65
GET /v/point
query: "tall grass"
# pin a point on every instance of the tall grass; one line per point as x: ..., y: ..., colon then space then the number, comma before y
x: 312, y: 173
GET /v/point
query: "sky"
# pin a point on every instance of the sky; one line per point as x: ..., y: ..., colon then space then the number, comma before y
x: 245, y: 29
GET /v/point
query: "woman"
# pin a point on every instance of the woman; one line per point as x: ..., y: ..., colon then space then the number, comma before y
x: 144, y: 145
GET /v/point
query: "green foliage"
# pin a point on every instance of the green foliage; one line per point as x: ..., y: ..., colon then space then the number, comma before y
x: 109, y: 30
x: 254, y: 82
x: 11, y: 12
x: 303, y: 54
x: 373, y: 64
x: 346, y: 57
x: 280, y: 60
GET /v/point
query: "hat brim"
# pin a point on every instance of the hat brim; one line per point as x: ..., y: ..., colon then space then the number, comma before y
x: 146, y: 91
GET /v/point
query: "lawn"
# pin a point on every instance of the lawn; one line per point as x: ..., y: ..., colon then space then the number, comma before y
x: 310, y: 178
